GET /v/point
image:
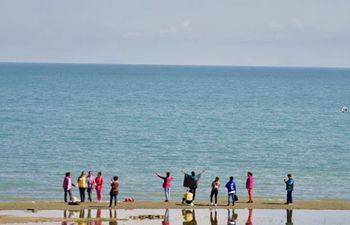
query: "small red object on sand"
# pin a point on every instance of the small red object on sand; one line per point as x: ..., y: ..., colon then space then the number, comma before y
x: 128, y: 199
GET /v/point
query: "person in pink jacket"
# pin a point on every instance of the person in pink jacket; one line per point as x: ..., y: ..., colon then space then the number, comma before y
x: 249, y: 185
x: 67, y: 186
x: 166, y: 184
x: 99, y: 186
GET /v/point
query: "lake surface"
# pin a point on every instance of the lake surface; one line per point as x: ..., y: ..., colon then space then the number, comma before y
x: 133, y: 120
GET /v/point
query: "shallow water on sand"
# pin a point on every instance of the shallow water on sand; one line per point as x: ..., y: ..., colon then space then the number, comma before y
x: 192, y: 216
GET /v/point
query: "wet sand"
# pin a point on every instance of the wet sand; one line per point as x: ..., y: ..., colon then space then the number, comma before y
x: 259, y: 204
x: 175, y: 216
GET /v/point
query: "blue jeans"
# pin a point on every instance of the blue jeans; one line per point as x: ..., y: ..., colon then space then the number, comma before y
x: 167, y: 194
x: 66, y: 191
x: 289, y: 196
x: 113, y: 197
x: 231, y: 196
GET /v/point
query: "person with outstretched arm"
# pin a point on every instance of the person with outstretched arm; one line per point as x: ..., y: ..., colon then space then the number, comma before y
x: 166, y: 184
x: 192, y: 181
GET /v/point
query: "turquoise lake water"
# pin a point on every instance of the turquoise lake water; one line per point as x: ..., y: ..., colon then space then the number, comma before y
x: 133, y: 120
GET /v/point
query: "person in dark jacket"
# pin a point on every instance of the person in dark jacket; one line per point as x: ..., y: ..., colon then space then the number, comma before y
x: 290, y: 188
x: 231, y: 190
x: 192, y: 181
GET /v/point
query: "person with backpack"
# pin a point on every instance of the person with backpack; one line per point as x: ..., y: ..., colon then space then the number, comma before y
x: 166, y: 184
x: 231, y: 189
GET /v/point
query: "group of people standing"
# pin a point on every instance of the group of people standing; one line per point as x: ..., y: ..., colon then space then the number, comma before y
x: 191, y: 181
x: 88, y: 184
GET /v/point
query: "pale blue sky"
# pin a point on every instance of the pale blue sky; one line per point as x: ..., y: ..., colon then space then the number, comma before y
x: 199, y: 32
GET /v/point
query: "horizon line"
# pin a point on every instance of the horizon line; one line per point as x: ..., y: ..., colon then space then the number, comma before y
x: 184, y: 65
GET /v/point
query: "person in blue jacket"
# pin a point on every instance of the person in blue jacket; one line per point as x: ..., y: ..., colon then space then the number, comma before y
x: 290, y: 188
x: 231, y: 189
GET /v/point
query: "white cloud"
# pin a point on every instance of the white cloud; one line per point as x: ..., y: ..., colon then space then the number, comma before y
x: 132, y: 35
x: 293, y: 23
x: 168, y: 30
x: 297, y: 23
x: 187, y: 25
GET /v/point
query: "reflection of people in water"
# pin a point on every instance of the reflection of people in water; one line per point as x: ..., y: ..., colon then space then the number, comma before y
x: 83, y: 221
x: 113, y: 217
x: 231, y: 217
x: 289, y: 217
x: 213, y: 221
x: 250, y: 217
x: 98, y: 217
x: 82, y: 214
x: 89, y: 213
x: 166, y: 220
x: 189, y: 217
x: 70, y: 214
x: 90, y: 222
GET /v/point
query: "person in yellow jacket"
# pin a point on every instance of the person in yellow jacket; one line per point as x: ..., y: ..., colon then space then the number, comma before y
x: 82, y: 184
x: 188, y: 198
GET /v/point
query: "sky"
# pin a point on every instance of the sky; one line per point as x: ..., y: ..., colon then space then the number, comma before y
x: 313, y: 33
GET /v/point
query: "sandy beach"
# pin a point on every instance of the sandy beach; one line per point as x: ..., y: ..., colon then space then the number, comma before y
x: 259, y: 204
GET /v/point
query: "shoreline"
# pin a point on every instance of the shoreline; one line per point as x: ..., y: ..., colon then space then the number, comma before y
x: 258, y: 204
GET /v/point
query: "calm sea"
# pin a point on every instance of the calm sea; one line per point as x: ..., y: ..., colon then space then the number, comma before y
x: 133, y: 120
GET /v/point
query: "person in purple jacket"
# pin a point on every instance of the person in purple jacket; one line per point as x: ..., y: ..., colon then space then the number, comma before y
x: 67, y: 186
x: 231, y: 189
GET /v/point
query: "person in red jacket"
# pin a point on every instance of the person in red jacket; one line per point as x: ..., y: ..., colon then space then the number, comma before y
x: 249, y: 185
x: 99, y: 186
x: 166, y: 184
